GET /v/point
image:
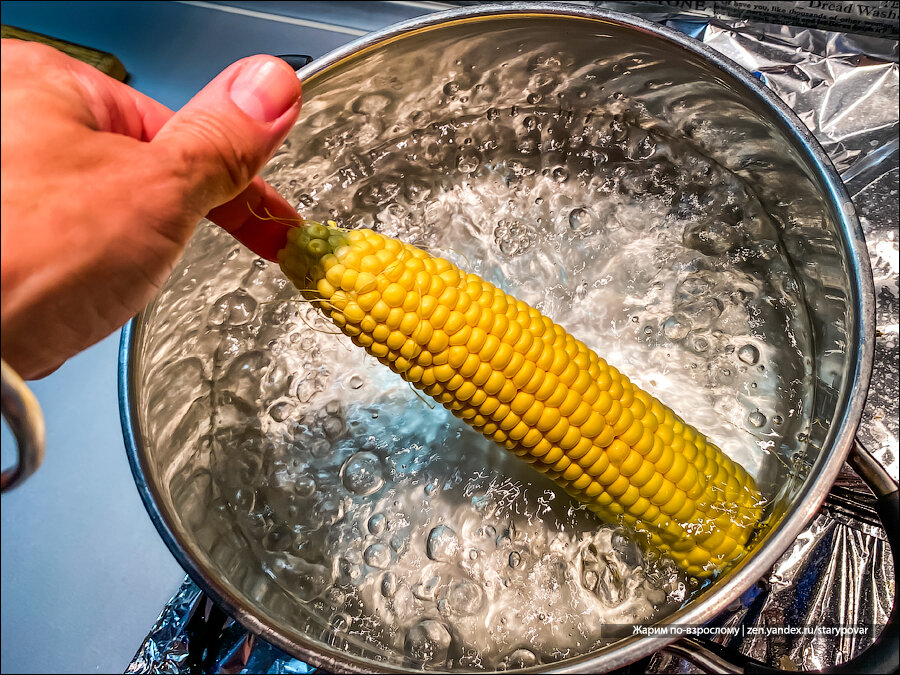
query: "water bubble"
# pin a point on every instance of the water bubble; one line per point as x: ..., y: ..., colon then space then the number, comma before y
x: 355, y: 382
x: 464, y: 597
x: 676, y: 327
x: 560, y: 175
x: 377, y: 523
x: 451, y: 88
x: 361, y: 473
x: 400, y: 541
x: 749, y: 354
x: 515, y: 560
x: 417, y: 191
x: 442, y: 544
x: 468, y: 161
x: 319, y: 448
x: 756, y: 419
x: 279, y: 538
x: 778, y: 420
x: 520, y: 658
x: 304, y: 486
x: 333, y: 426
x: 373, y: 103
x: 426, y: 588
x: 281, y: 411
x: 389, y: 584
x: 492, y: 114
x: 427, y: 643
x: 700, y: 344
x: 232, y: 309
x: 581, y: 219
x: 340, y: 623
x: 378, y: 556
x: 534, y: 98
x: 304, y: 199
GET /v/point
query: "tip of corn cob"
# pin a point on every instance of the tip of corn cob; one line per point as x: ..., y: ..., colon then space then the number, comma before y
x: 307, y: 245
x: 525, y: 383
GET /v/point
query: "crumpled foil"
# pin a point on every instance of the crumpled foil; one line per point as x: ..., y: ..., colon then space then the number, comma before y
x: 839, y: 570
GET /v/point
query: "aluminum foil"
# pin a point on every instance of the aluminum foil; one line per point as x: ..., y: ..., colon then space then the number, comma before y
x: 839, y: 571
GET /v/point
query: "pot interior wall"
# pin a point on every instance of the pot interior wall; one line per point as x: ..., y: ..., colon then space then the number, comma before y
x: 634, y: 193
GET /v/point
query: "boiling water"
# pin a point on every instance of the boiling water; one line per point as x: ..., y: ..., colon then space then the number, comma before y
x: 405, y: 531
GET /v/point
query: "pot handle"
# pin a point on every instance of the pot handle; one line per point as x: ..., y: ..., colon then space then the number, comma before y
x: 881, y: 656
x: 296, y: 61
x: 22, y: 412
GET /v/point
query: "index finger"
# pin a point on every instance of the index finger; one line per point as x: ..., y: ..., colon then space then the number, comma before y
x: 259, y: 218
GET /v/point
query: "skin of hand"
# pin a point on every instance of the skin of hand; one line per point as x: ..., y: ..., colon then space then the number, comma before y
x: 102, y: 188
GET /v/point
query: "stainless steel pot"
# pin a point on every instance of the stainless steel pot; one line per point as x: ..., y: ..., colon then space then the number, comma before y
x: 728, y: 115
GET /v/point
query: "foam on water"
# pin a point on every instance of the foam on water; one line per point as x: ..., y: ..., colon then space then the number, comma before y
x: 389, y: 518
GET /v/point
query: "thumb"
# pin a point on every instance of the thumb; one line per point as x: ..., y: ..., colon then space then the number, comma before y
x: 219, y: 141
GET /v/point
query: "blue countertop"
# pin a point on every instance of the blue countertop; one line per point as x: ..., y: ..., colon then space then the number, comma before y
x: 84, y: 573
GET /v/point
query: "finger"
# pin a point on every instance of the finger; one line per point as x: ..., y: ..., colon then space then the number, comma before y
x: 217, y: 143
x: 259, y: 218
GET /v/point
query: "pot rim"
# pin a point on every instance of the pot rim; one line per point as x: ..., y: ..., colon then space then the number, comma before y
x: 848, y: 411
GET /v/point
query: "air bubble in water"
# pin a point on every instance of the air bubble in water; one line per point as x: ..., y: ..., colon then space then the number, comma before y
x: 426, y: 588
x: 340, y: 623
x: 417, y: 191
x: 320, y: 448
x: 232, y: 309
x: 581, y: 219
x: 464, y: 597
x: 304, y: 486
x: 442, y: 544
x: 377, y: 523
x: 361, y: 474
x: 427, y: 643
x: 749, y: 354
x: 451, y: 88
x: 371, y: 104
x: 515, y: 560
x: 281, y: 411
x: 520, y: 658
x: 279, y: 538
x: 378, y: 556
x: 468, y: 161
x: 676, y: 328
x: 355, y: 382
x: 756, y: 419
x: 560, y: 175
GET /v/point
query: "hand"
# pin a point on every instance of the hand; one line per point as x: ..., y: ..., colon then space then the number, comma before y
x: 102, y: 188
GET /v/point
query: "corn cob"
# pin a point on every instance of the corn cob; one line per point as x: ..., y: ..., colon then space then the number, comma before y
x: 524, y: 382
